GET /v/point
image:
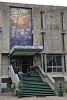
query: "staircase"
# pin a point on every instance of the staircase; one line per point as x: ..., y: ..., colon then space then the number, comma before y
x: 34, y: 86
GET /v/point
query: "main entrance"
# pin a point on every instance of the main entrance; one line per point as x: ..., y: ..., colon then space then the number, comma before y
x: 21, y: 62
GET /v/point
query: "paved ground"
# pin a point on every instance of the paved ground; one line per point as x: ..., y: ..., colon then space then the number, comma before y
x: 12, y: 97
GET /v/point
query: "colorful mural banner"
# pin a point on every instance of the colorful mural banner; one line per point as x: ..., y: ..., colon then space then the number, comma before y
x: 20, y: 26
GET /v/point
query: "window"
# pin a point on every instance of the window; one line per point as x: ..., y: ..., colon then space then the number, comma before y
x: 62, y: 20
x: 43, y: 37
x: 54, y: 63
x: 42, y: 17
x: 53, y: 60
x: 49, y: 61
x: 58, y: 60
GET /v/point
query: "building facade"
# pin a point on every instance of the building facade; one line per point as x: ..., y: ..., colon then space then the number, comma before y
x: 33, y: 35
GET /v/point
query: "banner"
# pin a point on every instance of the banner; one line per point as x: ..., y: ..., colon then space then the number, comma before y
x: 20, y: 26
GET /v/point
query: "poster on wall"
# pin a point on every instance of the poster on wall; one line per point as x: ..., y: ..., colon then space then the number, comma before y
x: 20, y: 27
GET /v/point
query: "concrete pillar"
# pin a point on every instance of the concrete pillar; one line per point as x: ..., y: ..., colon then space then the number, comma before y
x: 42, y: 60
x: 0, y: 70
x: 35, y: 59
x: 0, y: 65
x: 66, y: 62
x: 8, y: 65
x: 45, y: 63
x: 62, y: 63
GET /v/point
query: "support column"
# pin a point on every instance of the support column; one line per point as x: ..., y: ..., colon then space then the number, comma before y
x: 66, y: 62
x: 0, y: 70
x: 42, y: 60
x: 0, y: 65
x: 62, y: 63
x: 35, y: 59
x: 45, y: 63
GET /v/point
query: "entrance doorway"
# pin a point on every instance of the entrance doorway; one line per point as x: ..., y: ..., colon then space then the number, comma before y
x: 26, y: 61
x: 22, y: 62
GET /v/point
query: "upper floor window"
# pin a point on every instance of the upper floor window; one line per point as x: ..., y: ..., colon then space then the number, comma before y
x: 42, y: 19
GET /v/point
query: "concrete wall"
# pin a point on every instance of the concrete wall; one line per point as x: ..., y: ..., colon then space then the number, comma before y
x: 0, y: 67
x: 5, y: 28
x: 0, y: 29
x: 52, y: 28
x: 53, y: 33
x: 4, y: 65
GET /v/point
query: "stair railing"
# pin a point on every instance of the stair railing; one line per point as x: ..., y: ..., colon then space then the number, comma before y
x: 46, y: 78
x: 14, y: 78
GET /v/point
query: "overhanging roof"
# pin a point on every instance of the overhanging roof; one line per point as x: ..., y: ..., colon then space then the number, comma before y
x: 25, y: 50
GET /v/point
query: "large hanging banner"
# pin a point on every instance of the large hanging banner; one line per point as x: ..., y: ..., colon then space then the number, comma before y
x: 20, y: 27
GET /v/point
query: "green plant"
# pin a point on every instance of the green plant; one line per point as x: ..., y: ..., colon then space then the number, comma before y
x: 60, y: 85
x: 60, y: 89
x: 66, y: 90
x: 20, y: 86
x: 19, y: 92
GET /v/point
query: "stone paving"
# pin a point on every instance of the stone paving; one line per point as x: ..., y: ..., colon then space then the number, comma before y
x: 12, y: 97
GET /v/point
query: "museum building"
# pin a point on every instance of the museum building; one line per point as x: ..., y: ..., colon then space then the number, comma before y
x: 33, y: 35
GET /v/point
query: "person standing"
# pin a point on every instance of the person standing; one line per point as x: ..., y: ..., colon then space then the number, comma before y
x: 28, y: 72
x: 20, y: 74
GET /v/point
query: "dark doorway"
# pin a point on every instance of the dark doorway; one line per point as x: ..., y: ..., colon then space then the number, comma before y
x: 22, y: 62
x: 26, y: 61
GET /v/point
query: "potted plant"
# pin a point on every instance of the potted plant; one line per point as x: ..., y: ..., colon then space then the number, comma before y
x: 19, y: 92
x: 60, y: 90
x: 66, y: 90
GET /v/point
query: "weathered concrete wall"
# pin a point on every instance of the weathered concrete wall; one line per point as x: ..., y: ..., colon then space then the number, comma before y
x: 4, y: 65
x: 0, y: 29
x: 52, y: 27
x: 5, y: 28
x: 0, y: 67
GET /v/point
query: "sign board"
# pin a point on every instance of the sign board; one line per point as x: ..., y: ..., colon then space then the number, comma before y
x: 3, y: 85
x: 28, y: 47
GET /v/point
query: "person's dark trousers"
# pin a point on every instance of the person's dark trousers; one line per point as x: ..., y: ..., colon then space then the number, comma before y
x: 20, y: 78
x: 28, y: 75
